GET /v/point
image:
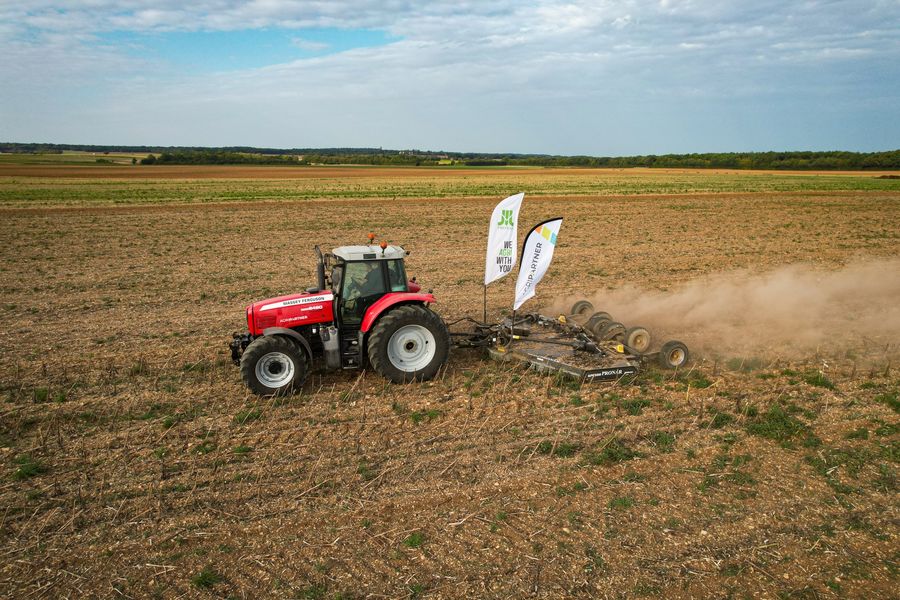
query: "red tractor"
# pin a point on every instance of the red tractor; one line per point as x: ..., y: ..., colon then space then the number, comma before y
x: 366, y: 312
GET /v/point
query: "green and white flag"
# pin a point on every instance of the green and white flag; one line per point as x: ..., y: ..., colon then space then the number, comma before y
x: 537, y: 252
x: 501, y: 246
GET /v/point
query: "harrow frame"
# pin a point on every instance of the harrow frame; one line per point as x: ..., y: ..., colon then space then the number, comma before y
x: 564, y: 345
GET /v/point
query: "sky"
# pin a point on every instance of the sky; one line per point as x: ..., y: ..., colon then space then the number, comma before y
x: 528, y: 76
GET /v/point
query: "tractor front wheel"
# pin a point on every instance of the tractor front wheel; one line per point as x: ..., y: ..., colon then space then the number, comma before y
x: 410, y: 343
x: 274, y: 366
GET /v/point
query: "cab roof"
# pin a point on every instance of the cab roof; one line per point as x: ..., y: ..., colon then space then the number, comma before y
x: 351, y: 253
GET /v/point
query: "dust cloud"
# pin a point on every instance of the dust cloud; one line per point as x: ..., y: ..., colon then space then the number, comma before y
x: 794, y: 309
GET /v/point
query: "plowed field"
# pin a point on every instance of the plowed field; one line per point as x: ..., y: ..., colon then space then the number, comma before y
x: 135, y: 464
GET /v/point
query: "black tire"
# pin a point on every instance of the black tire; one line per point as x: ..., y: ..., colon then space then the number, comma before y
x: 582, y: 307
x: 274, y: 365
x: 612, y: 331
x: 638, y: 339
x: 597, y: 321
x: 382, y: 345
x: 673, y: 355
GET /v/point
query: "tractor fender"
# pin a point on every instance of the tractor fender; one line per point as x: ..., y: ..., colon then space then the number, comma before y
x: 389, y: 300
x: 293, y: 335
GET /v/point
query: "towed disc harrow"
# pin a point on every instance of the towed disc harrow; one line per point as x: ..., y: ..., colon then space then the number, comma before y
x: 586, y: 345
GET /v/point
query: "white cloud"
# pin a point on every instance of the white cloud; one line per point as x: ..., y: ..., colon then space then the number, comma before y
x: 457, y: 71
x: 309, y: 45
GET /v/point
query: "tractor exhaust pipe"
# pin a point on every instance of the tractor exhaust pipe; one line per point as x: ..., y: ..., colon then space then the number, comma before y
x: 320, y: 269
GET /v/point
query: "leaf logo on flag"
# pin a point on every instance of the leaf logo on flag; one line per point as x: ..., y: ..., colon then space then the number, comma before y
x: 501, y: 247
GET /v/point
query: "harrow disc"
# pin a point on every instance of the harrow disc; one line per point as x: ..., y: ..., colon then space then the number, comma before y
x: 597, y: 321
x: 582, y: 307
x: 612, y: 331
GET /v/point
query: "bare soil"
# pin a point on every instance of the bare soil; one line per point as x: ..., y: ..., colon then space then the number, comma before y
x: 135, y: 463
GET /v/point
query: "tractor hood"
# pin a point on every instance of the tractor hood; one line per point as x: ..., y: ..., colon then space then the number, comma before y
x: 290, y: 311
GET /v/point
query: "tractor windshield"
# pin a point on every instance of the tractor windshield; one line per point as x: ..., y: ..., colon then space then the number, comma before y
x: 363, y: 283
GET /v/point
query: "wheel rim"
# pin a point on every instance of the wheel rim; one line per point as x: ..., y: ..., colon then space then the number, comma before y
x: 640, y: 341
x: 676, y: 357
x: 411, y: 348
x: 275, y: 369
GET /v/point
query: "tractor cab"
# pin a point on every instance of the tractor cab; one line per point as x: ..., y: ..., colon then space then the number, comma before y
x: 362, y: 275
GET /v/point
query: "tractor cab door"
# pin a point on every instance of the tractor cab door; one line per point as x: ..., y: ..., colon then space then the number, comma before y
x: 361, y: 284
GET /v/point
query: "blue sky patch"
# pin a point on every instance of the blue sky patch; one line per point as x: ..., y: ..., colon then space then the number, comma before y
x: 214, y: 51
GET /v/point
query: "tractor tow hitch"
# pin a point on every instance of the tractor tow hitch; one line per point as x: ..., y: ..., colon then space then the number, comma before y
x: 238, y: 344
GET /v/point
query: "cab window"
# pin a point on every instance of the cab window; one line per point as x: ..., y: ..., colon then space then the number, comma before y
x: 397, y: 276
x: 363, y: 284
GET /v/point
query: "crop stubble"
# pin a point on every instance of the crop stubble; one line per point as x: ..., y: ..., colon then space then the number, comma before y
x: 159, y: 465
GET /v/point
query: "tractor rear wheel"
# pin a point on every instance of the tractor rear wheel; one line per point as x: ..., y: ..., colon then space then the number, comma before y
x: 410, y: 343
x: 274, y: 366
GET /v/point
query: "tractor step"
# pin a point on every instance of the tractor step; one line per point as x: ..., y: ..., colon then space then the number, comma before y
x: 351, y: 351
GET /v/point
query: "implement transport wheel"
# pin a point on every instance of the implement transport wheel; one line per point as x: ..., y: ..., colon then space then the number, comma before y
x: 638, y: 339
x: 410, y: 343
x: 612, y: 331
x: 274, y: 366
x: 673, y: 355
x: 582, y: 307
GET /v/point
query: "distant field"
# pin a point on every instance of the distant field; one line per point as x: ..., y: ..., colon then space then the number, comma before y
x: 69, y: 158
x: 135, y: 464
x: 47, y: 186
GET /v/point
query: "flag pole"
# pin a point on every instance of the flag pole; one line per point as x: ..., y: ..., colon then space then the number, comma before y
x: 484, y: 318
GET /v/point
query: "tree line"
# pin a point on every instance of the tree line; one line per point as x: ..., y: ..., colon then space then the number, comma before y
x: 216, y: 157
x: 819, y: 161
x: 801, y: 160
